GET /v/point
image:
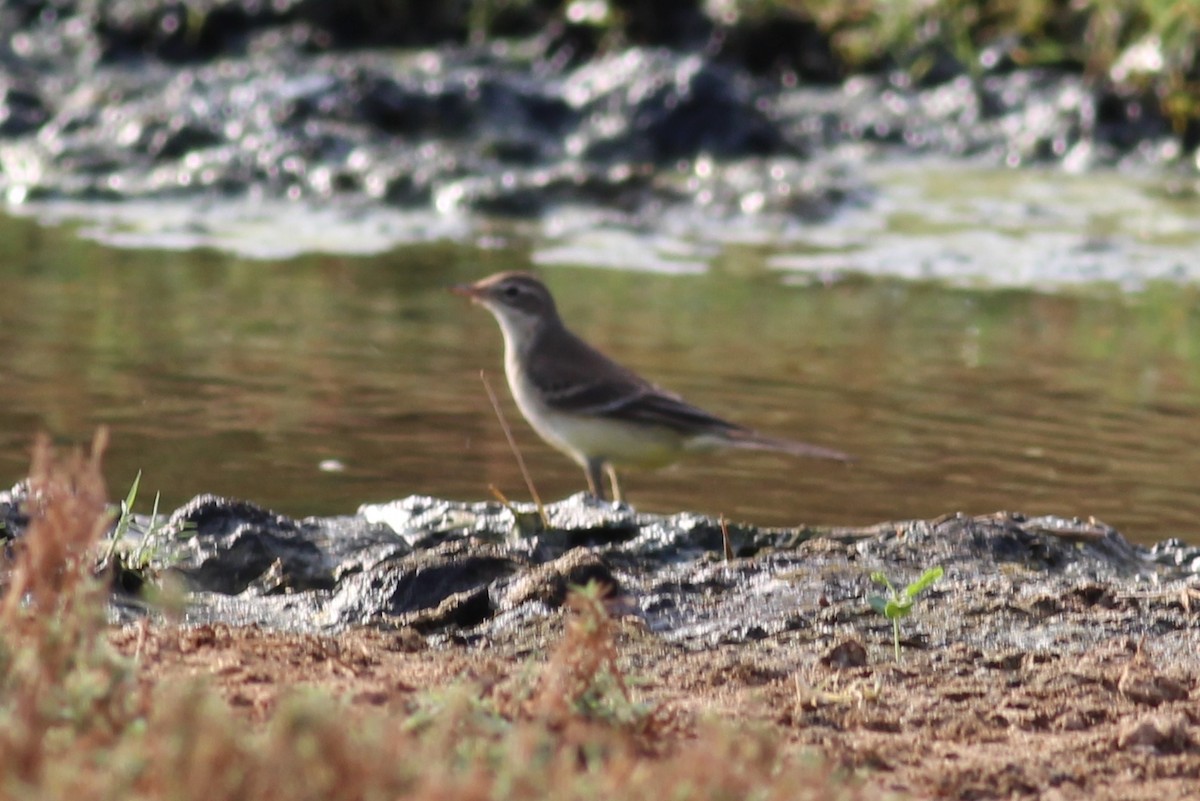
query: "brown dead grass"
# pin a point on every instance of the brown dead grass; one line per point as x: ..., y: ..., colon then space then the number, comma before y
x: 79, y: 721
x: 57, y: 669
x: 68, y: 516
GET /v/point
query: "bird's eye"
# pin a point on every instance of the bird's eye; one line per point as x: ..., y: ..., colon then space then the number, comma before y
x: 511, y: 291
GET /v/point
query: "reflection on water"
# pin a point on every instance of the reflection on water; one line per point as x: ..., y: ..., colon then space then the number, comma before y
x: 240, y: 378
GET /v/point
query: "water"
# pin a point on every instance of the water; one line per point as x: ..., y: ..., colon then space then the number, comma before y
x: 217, y: 373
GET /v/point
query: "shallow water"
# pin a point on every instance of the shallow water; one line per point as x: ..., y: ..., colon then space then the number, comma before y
x: 253, y: 378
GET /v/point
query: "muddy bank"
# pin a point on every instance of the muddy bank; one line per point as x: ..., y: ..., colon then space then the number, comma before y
x: 1053, y: 660
x: 485, y: 574
x: 135, y: 100
x: 1114, y: 723
x: 480, y: 573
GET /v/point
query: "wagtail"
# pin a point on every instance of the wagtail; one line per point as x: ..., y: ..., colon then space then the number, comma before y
x: 600, y: 414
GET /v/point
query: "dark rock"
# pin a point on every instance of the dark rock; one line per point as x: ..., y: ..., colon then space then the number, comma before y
x: 671, y: 23
x: 21, y: 110
x: 772, y: 46
x: 353, y: 23
x: 236, y: 543
x: 13, y: 518
x: 550, y: 583
x: 476, y: 572
x: 394, y: 108
x: 668, y: 108
x: 214, y: 516
x: 846, y: 654
x: 421, y: 583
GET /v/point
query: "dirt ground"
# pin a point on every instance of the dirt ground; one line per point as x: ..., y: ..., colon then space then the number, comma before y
x: 948, y: 723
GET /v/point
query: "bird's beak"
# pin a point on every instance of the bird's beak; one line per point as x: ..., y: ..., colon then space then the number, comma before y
x: 470, y: 291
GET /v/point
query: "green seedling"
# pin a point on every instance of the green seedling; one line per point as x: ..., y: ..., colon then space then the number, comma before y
x: 124, y: 516
x: 899, y: 603
x: 140, y: 557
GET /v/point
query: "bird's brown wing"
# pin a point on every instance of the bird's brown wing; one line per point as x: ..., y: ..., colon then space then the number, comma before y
x: 575, y: 378
x: 659, y: 407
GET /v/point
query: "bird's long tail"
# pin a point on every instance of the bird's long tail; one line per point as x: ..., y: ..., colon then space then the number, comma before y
x: 752, y: 440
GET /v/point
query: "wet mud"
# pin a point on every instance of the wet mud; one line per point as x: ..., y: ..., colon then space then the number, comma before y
x: 139, y: 100
x: 1053, y: 660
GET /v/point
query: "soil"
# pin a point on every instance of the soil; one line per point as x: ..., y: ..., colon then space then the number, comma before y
x: 1116, y: 722
x: 1052, y: 660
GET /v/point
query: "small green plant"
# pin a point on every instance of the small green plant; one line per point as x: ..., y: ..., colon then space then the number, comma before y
x: 582, y: 680
x: 140, y: 558
x: 898, y: 603
x: 126, y: 510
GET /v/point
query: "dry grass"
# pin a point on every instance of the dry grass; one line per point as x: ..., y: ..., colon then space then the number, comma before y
x: 78, y: 722
x: 58, y: 680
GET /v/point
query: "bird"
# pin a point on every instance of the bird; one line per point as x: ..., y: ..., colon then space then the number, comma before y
x: 602, y: 415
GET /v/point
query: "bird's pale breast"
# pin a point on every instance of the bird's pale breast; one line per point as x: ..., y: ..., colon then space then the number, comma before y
x: 584, y: 437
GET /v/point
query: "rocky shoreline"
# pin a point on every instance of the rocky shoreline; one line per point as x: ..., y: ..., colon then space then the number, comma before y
x: 478, y: 573
x: 146, y: 99
x: 1052, y: 660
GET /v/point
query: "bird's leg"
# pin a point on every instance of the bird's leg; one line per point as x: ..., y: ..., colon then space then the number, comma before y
x: 612, y: 479
x: 595, y: 481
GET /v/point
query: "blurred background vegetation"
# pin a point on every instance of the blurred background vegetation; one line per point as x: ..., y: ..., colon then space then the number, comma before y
x: 1143, y: 48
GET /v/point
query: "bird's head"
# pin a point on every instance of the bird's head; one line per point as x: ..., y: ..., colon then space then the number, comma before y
x: 520, y: 302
